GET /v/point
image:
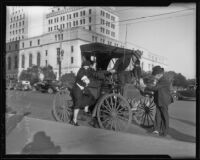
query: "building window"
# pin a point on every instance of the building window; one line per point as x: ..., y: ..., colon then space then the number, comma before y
x: 107, y: 15
x: 23, y: 61
x: 72, y: 60
x: 9, y: 47
x: 22, y: 44
x: 30, y: 43
x: 76, y: 14
x: 38, y: 59
x: 77, y: 23
x: 15, y: 46
x: 72, y: 49
x: 9, y: 63
x: 112, y: 18
x: 61, y: 36
x: 56, y: 37
x: 38, y: 42
x: 16, y: 62
x: 83, y: 21
x: 46, y: 52
x: 46, y: 63
x: 112, y: 26
x: 113, y: 34
x: 90, y: 19
x: 22, y: 22
x: 90, y: 11
x: 83, y: 13
x: 90, y: 28
x: 30, y: 60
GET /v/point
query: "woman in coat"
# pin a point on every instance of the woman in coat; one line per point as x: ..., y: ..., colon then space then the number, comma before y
x: 80, y: 98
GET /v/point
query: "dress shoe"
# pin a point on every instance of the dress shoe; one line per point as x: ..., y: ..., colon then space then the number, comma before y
x: 73, y: 123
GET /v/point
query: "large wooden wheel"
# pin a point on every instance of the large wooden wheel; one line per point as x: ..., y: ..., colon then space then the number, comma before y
x: 114, y: 112
x: 145, y: 113
x: 62, y: 106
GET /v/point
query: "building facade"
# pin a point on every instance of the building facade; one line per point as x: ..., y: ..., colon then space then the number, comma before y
x: 40, y: 38
x: 12, y: 59
x: 23, y: 22
x: 102, y: 20
x: 42, y: 50
x: 149, y: 60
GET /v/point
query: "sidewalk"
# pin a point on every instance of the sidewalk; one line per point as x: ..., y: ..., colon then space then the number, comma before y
x: 38, y: 136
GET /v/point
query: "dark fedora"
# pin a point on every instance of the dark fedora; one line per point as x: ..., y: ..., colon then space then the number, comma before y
x: 157, y: 70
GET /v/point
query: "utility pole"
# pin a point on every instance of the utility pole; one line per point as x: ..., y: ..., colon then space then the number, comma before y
x: 60, y: 53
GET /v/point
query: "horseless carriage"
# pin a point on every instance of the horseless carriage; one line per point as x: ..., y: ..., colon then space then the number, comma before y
x: 117, y: 104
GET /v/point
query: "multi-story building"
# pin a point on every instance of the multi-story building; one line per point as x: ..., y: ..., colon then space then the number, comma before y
x: 65, y: 29
x: 12, y: 59
x: 42, y: 50
x: 23, y: 22
x: 149, y: 60
x: 102, y: 20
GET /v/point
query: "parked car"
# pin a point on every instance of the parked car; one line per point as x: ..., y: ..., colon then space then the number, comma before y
x: 187, y: 94
x: 23, y: 86
x: 46, y: 86
x: 10, y: 84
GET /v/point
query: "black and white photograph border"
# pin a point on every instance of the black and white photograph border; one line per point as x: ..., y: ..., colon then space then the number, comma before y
x: 101, y: 80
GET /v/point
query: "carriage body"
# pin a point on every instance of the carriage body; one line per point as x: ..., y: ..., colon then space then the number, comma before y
x: 118, y: 101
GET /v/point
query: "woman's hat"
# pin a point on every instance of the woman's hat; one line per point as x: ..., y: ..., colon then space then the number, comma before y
x: 86, y: 63
x: 157, y: 70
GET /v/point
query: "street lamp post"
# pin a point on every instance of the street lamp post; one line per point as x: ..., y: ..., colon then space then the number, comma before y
x: 60, y: 53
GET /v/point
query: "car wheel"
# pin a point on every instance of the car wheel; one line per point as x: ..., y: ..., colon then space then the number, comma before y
x: 50, y: 90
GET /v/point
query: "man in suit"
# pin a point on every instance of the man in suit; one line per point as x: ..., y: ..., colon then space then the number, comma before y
x: 162, y: 99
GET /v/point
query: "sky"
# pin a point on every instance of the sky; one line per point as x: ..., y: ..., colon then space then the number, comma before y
x: 172, y: 36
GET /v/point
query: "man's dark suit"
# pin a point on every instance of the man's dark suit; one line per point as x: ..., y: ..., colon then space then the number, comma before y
x: 162, y: 99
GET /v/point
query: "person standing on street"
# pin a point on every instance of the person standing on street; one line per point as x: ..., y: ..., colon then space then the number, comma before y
x: 78, y: 92
x: 162, y: 99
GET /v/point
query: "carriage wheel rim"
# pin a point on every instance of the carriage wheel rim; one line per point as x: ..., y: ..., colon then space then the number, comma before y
x: 61, y: 111
x: 145, y: 113
x: 113, y: 113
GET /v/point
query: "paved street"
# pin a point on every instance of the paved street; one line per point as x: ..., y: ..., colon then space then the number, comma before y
x: 182, y: 113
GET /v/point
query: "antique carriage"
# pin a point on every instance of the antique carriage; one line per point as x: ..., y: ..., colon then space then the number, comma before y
x: 117, y: 104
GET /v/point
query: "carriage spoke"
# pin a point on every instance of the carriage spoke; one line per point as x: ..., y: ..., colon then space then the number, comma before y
x: 107, y: 103
x: 144, y: 119
x: 108, y: 109
x: 105, y: 111
x: 111, y: 102
x: 150, y: 118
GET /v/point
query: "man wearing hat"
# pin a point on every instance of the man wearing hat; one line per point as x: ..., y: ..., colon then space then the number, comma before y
x: 162, y: 99
x: 80, y: 99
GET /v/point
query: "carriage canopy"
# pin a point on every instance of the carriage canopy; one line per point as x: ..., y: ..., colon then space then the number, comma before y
x: 104, y: 53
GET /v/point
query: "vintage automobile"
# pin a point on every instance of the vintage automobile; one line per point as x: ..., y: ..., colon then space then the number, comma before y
x: 117, y: 104
x: 48, y: 86
x: 188, y: 94
x: 23, y: 86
